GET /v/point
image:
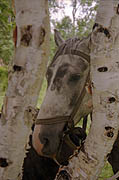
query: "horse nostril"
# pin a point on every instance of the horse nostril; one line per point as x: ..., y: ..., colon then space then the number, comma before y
x: 50, y: 144
x: 43, y: 139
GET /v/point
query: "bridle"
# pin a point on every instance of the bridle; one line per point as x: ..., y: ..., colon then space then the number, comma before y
x: 66, y: 141
x: 69, y: 119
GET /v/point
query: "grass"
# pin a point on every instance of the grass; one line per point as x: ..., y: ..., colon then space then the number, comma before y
x: 42, y: 93
x: 1, y: 100
x: 3, y: 83
x: 3, y: 79
x: 107, y: 170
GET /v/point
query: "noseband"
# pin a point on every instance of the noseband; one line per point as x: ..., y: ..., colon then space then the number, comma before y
x: 69, y: 119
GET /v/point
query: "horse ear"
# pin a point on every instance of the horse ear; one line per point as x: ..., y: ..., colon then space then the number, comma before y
x: 58, y: 38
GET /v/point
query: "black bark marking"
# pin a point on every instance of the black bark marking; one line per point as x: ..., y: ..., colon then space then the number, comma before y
x: 73, y: 100
x: 110, y: 134
x: 105, y: 31
x: 117, y: 64
x: 103, y: 69
x: 95, y: 25
x: 112, y: 100
x: 3, y: 162
x: 109, y: 128
x: 26, y: 36
x: 17, y: 68
x: 109, y: 131
x: 41, y: 35
x: 117, y: 9
x: 29, y: 110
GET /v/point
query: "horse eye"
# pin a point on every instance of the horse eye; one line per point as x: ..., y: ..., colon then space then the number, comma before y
x: 74, y: 77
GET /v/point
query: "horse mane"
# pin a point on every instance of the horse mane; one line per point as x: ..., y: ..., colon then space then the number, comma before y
x: 67, y: 46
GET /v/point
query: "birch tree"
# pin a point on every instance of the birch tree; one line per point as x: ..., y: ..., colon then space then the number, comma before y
x: 25, y: 79
x: 104, y: 44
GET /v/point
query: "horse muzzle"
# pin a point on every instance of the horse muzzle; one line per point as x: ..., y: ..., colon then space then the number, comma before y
x: 45, y: 143
x: 38, y: 146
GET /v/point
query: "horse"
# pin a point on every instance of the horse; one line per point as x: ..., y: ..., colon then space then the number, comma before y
x: 67, y: 99
x: 67, y: 77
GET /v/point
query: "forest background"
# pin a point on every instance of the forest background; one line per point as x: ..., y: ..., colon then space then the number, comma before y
x: 79, y: 24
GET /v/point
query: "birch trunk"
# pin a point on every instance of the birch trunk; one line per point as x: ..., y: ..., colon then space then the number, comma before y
x: 25, y: 79
x: 105, y: 87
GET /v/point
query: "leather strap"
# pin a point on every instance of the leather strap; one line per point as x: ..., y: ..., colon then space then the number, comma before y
x: 78, y: 103
x: 80, y: 53
x: 55, y: 120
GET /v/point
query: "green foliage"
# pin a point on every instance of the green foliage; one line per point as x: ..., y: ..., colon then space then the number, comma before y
x: 86, y: 20
x: 65, y: 26
x: 42, y: 93
x: 83, y: 14
x: 3, y: 83
x: 53, y: 47
x: 53, y: 5
x: 1, y: 100
x: 3, y: 78
x: 106, y: 172
x: 87, y: 3
x: 6, y: 29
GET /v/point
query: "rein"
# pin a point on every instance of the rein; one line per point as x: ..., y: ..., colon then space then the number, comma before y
x: 69, y: 119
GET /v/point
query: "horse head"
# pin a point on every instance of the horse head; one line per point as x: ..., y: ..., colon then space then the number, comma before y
x: 66, y: 99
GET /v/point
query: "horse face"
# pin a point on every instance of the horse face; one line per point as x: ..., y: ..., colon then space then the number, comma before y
x: 66, y: 78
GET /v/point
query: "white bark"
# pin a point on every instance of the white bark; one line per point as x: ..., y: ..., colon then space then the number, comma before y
x: 25, y: 79
x: 105, y: 86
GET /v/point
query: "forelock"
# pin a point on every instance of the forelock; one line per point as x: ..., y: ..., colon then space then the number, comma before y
x: 65, y: 48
